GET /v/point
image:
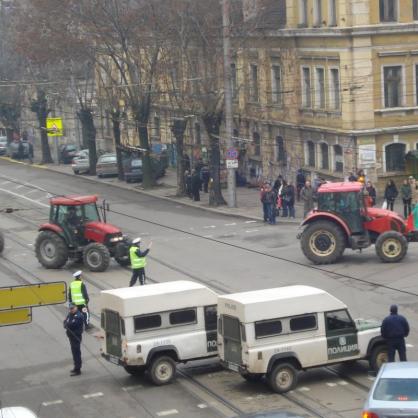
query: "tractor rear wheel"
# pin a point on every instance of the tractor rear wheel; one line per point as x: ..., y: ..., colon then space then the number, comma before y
x: 96, y: 257
x: 51, y: 250
x: 391, y: 246
x: 323, y: 242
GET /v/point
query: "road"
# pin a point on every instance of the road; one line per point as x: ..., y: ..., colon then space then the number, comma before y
x: 227, y: 253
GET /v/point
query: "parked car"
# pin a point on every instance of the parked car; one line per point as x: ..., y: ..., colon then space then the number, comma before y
x: 17, y: 412
x: 80, y: 163
x: 158, y: 167
x: 18, y: 149
x: 3, y: 145
x: 132, y: 168
x: 107, y: 165
x: 67, y: 153
x: 394, y: 392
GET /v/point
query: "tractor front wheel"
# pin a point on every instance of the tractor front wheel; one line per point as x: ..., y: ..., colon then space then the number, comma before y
x: 391, y: 246
x: 323, y: 242
x: 51, y: 250
x: 96, y: 257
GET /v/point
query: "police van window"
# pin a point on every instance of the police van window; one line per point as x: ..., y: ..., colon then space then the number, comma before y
x: 186, y: 316
x: 122, y: 326
x: 268, y: 328
x: 210, y: 318
x: 144, y: 322
x: 303, y: 323
x: 111, y: 322
x: 337, y: 320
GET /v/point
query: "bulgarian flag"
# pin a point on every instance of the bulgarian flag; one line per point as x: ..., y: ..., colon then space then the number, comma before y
x: 413, y: 219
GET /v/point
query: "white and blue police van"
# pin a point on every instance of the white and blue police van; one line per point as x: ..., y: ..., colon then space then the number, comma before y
x: 153, y: 327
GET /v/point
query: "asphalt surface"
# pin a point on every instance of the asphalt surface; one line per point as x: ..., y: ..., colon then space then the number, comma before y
x: 225, y: 253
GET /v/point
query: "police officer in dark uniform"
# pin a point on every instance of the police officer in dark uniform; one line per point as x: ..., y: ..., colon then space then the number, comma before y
x: 74, y: 324
x: 394, y: 330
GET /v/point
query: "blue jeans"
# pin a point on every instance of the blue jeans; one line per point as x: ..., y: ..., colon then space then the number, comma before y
x: 265, y: 211
x: 272, y: 214
x: 288, y: 209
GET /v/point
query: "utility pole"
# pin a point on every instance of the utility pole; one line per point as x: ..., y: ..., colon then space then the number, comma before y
x: 226, y: 21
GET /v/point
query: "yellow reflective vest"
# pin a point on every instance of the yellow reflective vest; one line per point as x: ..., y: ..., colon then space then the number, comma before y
x: 76, y: 294
x: 136, y: 262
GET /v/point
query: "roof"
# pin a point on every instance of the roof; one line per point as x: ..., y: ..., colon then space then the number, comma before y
x: 404, y: 370
x: 160, y: 297
x: 277, y: 302
x: 16, y: 412
x: 350, y: 186
x: 73, y: 200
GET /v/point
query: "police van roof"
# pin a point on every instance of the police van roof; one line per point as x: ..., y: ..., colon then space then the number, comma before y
x: 277, y: 303
x: 160, y: 297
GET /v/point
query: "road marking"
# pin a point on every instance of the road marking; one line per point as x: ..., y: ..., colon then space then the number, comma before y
x: 33, y: 191
x: 24, y: 197
x: 303, y: 389
x: 251, y: 230
x: 233, y: 224
x: 409, y: 345
x: 20, y: 186
x: 248, y: 398
x: 57, y: 402
x: 168, y: 412
x: 343, y: 383
x: 93, y: 395
x: 331, y: 385
x: 250, y: 222
x: 4, y: 182
x: 207, y: 236
x: 133, y: 387
x: 209, y: 227
x: 202, y: 406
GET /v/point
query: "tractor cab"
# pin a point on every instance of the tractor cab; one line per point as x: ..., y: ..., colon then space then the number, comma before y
x: 77, y: 231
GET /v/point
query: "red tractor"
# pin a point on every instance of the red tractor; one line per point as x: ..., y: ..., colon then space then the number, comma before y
x: 76, y: 231
x: 345, y: 220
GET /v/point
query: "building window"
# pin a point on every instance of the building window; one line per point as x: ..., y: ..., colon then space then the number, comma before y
x: 332, y: 18
x: 257, y: 144
x: 157, y: 128
x: 234, y: 80
x: 334, y: 88
x: 281, y: 153
x: 311, y: 154
x: 395, y: 157
x: 415, y: 9
x: 303, y: 12
x: 282, y: 13
x: 320, y: 88
x: 254, y: 83
x: 197, y: 134
x: 317, y: 12
x: 324, y: 156
x: 393, y: 86
x: 388, y: 10
x: 306, y: 87
x: 338, y: 158
x: 276, y: 85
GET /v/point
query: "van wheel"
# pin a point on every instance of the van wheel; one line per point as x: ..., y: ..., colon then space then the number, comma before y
x: 252, y: 377
x: 283, y: 377
x: 162, y: 370
x: 135, y: 370
x: 378, y: 357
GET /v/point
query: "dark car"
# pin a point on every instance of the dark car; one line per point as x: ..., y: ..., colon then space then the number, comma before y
x: 133, y: 169
x: 67, y: 153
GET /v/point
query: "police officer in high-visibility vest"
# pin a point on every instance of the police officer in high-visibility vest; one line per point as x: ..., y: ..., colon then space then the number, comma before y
x: 77, y: 294
x: 138, y: 261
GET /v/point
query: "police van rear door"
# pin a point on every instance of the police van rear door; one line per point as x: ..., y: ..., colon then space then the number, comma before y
x: 232, y: 341
x: 113, y: 327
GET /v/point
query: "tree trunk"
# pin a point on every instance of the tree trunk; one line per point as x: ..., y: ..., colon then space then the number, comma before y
x: 88, y: 131
x: 178, y: 129
x: 9, y: 135
x: 212, y: 124
x: 148, y: 179
x: 40, y: 107
x: 116, y: 137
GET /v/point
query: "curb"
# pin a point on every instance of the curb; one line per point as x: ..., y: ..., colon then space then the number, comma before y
x: 144, y: 192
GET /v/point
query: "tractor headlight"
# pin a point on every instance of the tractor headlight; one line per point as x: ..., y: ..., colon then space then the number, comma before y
x: 116, y: 239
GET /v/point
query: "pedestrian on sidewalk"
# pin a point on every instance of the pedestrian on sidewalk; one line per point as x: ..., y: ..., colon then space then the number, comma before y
x: 351, y: 176
x: 414, y: 191
x: 188, y: 183
x: 300, y: 182
x: 196, y: 183
x: 278, y: 183
x: 138, y: 261
x: 204, y: 177
x: 394, y: 330
x: 406, y: 195
x: 288, y: 201
x: 271, y: 198
x: 263, y: 191
x: 73, y: 325
x: 372, y: 192
x: 391, y: 192
x: 77, y: 294
x: 307, y: 196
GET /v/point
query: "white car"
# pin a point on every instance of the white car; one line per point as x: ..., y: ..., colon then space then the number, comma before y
x: 17, y: 412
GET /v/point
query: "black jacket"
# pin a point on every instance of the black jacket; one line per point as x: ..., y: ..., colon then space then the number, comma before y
x: 74, y: 324
x: 394, y: 326
x: 391, y: 192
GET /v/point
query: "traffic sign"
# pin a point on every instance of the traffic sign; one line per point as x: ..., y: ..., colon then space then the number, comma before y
x: 54, y: 126
x: 231, y: 154
x: 15, y: 317
x: 231, y: 163
x: 14, y: 297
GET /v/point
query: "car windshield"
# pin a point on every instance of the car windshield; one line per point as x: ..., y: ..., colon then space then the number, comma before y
x: 71, y: 148
x: 396, y: 390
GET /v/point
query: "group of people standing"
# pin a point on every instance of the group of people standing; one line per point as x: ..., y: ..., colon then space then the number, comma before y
x: 197, y: 180
x: 408, y: 194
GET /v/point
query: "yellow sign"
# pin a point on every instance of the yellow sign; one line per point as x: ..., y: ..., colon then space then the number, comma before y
x: 15, y: 317
x: 54, y: 126
x: 33, y: 295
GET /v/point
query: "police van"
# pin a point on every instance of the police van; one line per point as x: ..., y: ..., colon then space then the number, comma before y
x: 151, y: 328
x: 277, y: 332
